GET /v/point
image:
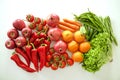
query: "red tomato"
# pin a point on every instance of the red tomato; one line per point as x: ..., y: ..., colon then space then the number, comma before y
x: 43, y: 22
x: 51, y: 51
x: 37, y: 20
x: 70, y: 62
x: 39, y: 27
x: 32, y: 25
x: 30, y: 17
x: 49, y: 57
x: 56, y: 57
x: 62, y: 64
x: 54, y: 66
x: 47, y: 64
x: 64, y: 56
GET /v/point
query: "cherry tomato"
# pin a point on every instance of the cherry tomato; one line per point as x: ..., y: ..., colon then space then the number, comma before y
x: 32, y: 25
x: 64, y: 56
x: 62, y: 64
x: 43, y: 22
x: 70, y: 62
x: 37, y: 20
x: 30, y: 17
x: 56, y: 57
x: 49, y: 57
x: 51, y: 51
x: 54, y: 66
x: 47, y: 64
x: 39, y: 27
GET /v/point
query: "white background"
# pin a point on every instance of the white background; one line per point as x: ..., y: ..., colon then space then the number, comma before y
x: 13, y: 9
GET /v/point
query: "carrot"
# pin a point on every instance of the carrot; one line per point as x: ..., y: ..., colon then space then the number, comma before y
x: 69, y: 25
x: 72, y: 22
x: 65, y: 28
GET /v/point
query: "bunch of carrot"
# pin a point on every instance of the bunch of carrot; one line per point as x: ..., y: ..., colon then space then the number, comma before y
x: 70, y: 25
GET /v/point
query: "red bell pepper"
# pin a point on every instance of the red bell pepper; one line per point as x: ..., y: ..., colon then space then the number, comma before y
x: 42, y: 51
x: 34, y: 57
x: 23, y: 54
x: 21, y: 64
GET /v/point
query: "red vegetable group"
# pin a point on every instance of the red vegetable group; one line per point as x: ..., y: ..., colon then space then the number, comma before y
x: 32, y: 40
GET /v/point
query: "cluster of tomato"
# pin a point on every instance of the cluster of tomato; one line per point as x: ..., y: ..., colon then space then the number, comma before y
x: 56, y: 60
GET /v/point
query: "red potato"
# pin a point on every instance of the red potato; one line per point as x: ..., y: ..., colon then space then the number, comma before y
x: 10, y: 44
x: 52, y: 20
x: 60, y: 46
x: 12, y: 33
x: 19, y: 24
x: 20, y: 41
x: 26, y: 32
x: 54, y: 34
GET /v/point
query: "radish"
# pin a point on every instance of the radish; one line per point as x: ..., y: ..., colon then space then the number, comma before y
x: 53, y: 20
x: 60, y: 46
x: 54, y: 34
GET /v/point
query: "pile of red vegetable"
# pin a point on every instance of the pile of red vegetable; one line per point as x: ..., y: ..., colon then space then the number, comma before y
x: 32, y: 40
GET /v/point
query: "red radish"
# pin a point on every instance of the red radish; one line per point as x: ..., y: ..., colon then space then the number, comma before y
x: 12, y: 33
x: 60, y: 46
x: 10, y: 44
x: 26, y: 32
x: 19, y: 24
x: 20, y: 41
x: 52, y: 20
x: 54, y: 34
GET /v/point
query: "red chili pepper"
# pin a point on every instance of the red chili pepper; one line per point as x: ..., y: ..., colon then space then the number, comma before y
x: 21, y: 64
x: 28, y: 50
x: 38, y: 41
x: 42, y: 51
x: 23, y: 54
x: 48, y: 42
x: 34, y: 57
x: 34, y: 36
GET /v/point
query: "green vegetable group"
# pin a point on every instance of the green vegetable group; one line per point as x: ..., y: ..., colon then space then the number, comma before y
x: 100, y: 34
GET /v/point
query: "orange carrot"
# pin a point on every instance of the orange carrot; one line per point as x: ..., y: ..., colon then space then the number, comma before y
x: 69, y: 25
x: 72, y: 22
x: 62, y: 27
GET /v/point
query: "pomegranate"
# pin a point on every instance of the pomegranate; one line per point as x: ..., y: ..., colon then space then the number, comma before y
x: 52, y: 20
x: 54, y: 34
x: 60, y: 46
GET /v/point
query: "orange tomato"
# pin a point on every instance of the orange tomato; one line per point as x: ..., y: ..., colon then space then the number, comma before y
x: 77, y: 56
x: 84, y: 47
x: 73, y: 46
x: 78, y: 37
x: 67, y: 36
